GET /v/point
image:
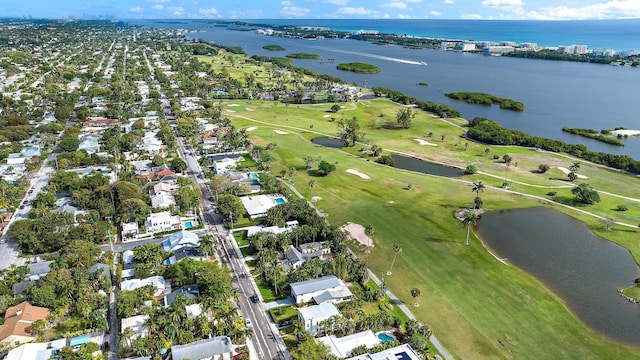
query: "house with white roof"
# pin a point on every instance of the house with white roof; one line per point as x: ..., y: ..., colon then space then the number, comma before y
x: 217, y: 348
x: 342, y: 347
x: 164, y: 187
x: 16, y: 159
x: 89, y: 143
x: 258, y: 205
x: 323, y: 289
x: 402, y: 352
x: 311, y: 316
x: 135, y: 323
x: 36, y: 351
x: 162, y: 200
x: 181, y: 239
x: 224, y: 165
x: 156, y: 281
x: 129, y: 229
x: 162, y: 221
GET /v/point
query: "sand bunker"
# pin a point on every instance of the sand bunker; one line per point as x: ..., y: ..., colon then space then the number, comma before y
x: 249, y: 109
x: 356, y: 231
x: 626, y: 132
x: 358, y: 173
x: 231, y: 111
x: 326, y: 116
x: 233, y: 105
x: 280, y: 132
x: 423, y: 142
x: 316, y: 199
x: 252, y: 128
x: 567, y: 171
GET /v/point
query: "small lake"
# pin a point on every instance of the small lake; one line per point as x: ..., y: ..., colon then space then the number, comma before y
x: 328, y: 142
x: 582, y: 269
x: 413, y: 164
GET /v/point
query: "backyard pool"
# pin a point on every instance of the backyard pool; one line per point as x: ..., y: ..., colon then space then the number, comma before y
x: 385, y: 338
x: 254, y: 176
x: 188, y: 225
x: 279, y: 201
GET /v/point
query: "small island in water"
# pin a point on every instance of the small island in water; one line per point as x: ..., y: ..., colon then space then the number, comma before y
x: 359, y: 67
x: 274, y: 48
x: 304, y: 56
x: 486, y: 99
x: 593, y: 134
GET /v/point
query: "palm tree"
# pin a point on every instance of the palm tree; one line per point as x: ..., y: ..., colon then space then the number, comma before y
x: 515, y: 165
x: 470, y: 218
x: 574, y: 167
x: 396, y: 249
x: 415, y: 292
x: 207, y: 245
x: 478, y: 187
x: 311, y: 183
x: 369, y: 230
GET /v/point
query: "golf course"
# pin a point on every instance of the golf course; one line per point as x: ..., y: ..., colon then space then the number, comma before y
x: 478, y: 306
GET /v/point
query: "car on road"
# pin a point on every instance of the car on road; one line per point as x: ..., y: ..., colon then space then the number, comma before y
x: 255, y: 298
x: 248, y: 323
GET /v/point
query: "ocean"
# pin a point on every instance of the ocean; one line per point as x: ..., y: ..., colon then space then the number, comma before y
x: 556, y: 94
x: 597, y: 34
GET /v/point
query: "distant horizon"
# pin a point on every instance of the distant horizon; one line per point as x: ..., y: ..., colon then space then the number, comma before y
x: 325, y: 9
x: 250, y: 20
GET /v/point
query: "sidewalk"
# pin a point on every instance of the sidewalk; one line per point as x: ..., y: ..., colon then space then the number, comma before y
x: 406, y: 310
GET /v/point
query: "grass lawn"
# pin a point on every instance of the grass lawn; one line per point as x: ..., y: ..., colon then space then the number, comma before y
x: 266, y: 288
x: 473, y: 302
x: 241, y: 238
x: 633, y: 292
x: 283, y: 313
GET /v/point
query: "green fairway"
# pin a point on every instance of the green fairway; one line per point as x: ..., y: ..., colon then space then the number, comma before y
x: 479, y: 307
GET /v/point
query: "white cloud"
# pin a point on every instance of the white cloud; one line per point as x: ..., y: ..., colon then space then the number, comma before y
x: 435, y: 13
x: 136, y: 9
x: 615, y: 9
x: 285, y: 3
x: 395, y: 5
x: 502, y: 3
x: 471, y: 16
x: 404, y: 16
x: 338, y: 2
x: 294, y: 11
x: 211, y: 12
x: 353, y: 11
x: 176, y: 10
x: 157, y: 7
x: 414, y: 1
x: 160, y: 1
x: 448, y: 1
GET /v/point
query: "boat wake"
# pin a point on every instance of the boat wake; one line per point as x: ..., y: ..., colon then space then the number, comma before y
x: 381, y: 57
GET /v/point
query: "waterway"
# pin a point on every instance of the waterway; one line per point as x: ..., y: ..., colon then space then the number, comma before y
x: 555, y: 93
x: 584, y: 270
x: 328, y: 142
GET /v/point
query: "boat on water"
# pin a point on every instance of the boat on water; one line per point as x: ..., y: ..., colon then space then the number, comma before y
x: 423, y: 63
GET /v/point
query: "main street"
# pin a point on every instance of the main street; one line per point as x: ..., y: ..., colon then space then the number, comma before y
x: 267, y: 342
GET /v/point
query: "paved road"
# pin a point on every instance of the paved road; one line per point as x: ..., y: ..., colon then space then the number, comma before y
x: 9, y: 249
x: 266, y: 341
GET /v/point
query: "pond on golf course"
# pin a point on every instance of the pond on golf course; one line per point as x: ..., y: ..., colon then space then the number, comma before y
x: 328, y: 142
x: 584, y: 270
x: 417, y: 165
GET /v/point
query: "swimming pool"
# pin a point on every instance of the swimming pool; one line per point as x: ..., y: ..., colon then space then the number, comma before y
x: 385, y: 338
x: 188, y: 225
x: 254, y: 176
x: 279, y: 201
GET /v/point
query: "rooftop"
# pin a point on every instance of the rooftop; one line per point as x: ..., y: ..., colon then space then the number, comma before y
x: 202, y: 349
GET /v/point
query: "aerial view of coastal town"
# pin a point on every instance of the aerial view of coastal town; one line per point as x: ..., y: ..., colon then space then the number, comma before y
x: 319, y: 179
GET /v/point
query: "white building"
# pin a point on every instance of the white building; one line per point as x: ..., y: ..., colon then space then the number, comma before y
x: 258, y: 205
x: 604, y: 52
x: 321, y: 290
x: 312, y: 316
x: 468, y: 47
x: 162, y: 200
x: 402, y: 352
x: 162, y: 221
x: 342, y: 347
x: 497, y: 50
x: 181, y: 239
x: 572, y: 49
x: 156, y: 281
x: 135, y: 323
x: 129, y: 229
x: 223, y: 166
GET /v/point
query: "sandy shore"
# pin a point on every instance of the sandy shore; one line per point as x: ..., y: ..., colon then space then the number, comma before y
x: 280, y: 132
x: 356, y: 231
x: 626, y: 132
x: 252, y: 128
x: 423, y: 142
x: 358, y: 173
x: 567, y: 171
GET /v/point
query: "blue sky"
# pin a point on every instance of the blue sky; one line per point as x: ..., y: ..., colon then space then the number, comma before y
x: 309, y: 9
